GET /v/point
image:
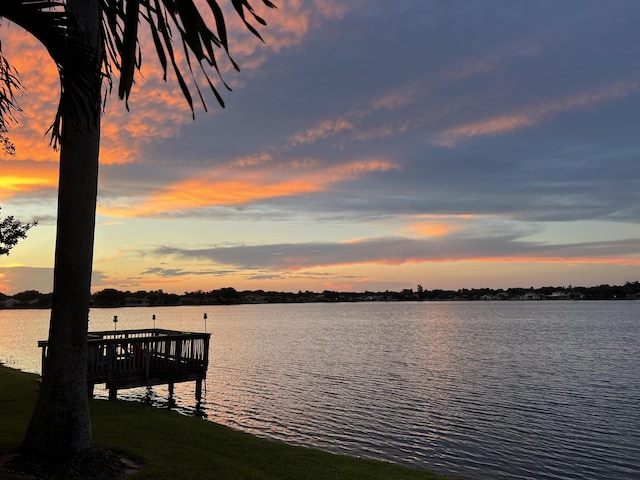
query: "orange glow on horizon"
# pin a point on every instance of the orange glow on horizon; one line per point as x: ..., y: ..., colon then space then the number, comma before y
x: 17, y: 178
x: 354, y: 241
x: 415, y: 260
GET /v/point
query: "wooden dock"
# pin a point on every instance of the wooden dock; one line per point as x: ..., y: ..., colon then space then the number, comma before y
x: 137, y: 358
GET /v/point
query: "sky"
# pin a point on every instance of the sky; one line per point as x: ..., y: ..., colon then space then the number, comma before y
x: 366, y: 145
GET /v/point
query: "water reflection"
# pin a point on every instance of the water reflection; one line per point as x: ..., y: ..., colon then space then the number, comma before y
x: 149, y: 396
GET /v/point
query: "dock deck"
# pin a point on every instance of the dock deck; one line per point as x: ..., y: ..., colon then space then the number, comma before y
x: 145, y: 357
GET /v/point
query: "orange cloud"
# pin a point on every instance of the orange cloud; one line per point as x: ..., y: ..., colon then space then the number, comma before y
x: 252, y: 160
x: 470, y: 68
x: 563, y: 260
x: 440, y: 225
x: 351, y: 121
x: 26, y: 177
x: 354, y: 241
x: 511, y: 259
x: 398, y: 98
x: 490, y: 126
x: 322, y: 130
x: 41, y: 89
x: 534, y: 115
x: 286, y: 27
x: 433, y: 229
x: 230, y: 185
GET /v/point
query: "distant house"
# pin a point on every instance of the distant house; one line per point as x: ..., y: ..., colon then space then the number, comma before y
x: 254, y: 298
x: 136, y: 302
x: 558, y: 295
x: 11, y: 303
x: 532, y: 296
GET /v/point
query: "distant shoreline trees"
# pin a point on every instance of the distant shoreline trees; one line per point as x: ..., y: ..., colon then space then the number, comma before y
x: 112, y: 298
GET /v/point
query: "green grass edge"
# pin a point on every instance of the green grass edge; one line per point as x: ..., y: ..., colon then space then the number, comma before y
x: 173, y: 446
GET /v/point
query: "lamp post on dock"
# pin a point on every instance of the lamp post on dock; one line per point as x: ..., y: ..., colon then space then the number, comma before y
x: 115, y: 324
x: 153, y: 317
x: 205, y: 323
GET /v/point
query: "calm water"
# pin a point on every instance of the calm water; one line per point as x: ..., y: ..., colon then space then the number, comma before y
x: 478, y: 390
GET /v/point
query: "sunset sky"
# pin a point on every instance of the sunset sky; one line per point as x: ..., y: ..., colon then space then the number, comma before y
x: 366, y: 145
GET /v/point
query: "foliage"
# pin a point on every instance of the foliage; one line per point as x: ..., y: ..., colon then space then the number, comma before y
x: 109, y: 297
x: 11, y: 231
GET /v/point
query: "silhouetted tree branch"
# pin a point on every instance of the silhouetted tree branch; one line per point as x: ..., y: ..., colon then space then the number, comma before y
x: 11, y: 231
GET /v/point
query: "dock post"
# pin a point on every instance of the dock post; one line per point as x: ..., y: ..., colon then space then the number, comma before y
x: 172, y: 402
x: 113, y: 393
x: 199, y: 390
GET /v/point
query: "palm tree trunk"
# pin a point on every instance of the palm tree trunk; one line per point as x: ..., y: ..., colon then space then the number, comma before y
x: 60, y: 424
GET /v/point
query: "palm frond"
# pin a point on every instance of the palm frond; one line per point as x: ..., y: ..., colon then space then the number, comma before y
x: 47, y: 21
x: 44, y: 19
x: 200, y: 41
x: 9, y: 85
x: 9, y: 109
x: 175, y: 25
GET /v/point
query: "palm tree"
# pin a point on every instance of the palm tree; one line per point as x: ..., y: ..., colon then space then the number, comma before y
x: 90, y: 41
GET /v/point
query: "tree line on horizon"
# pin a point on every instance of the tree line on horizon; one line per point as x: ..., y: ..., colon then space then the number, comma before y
x: 111, y: 297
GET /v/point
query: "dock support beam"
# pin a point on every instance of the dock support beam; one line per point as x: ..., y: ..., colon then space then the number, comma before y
x: 113, y: 393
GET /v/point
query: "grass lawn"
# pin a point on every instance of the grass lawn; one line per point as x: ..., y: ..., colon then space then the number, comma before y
x: 171, y: 446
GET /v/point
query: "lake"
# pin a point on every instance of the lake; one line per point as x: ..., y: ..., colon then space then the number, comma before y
x: 543, y: 390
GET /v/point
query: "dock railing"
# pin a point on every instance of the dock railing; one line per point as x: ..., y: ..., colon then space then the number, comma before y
x: 136, y: 358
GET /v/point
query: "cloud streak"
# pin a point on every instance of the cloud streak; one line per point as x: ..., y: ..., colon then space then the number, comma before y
x: 535, y: 115
x: 397, y: 251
